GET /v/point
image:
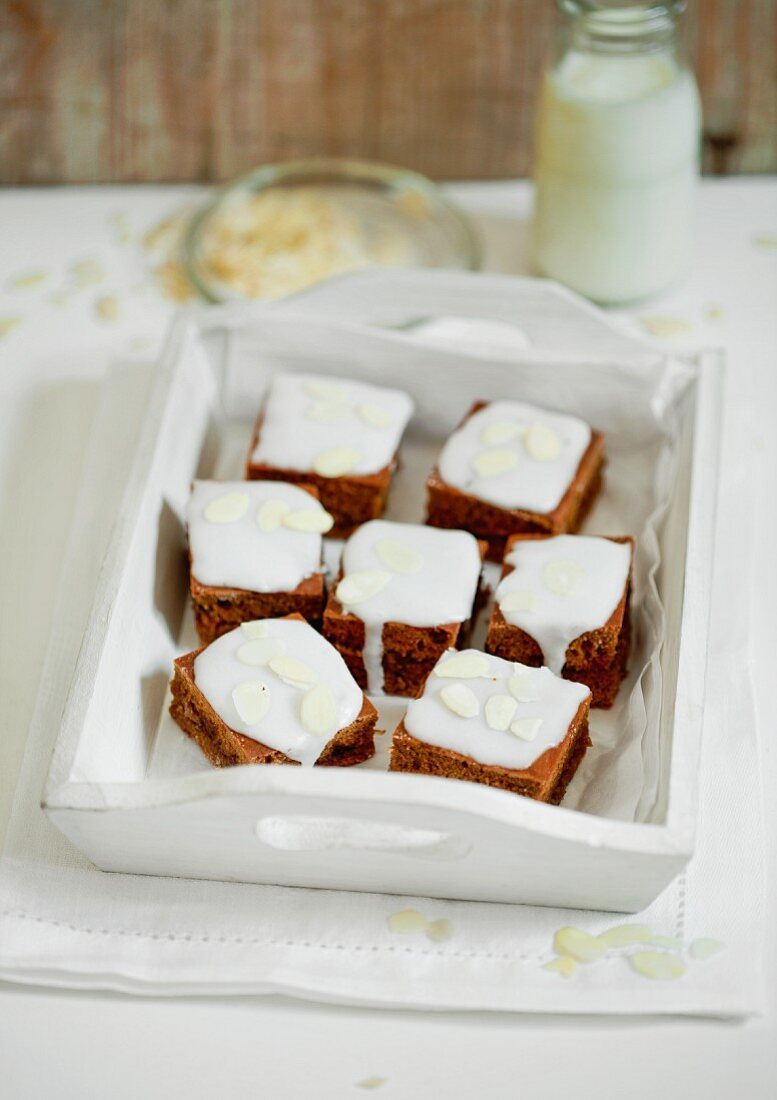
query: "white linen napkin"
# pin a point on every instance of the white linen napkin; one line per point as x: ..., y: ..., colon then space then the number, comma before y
x: 64, y: 923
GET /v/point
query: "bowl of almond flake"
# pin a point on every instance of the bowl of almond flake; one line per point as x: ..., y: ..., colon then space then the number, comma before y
x: 284, y: 227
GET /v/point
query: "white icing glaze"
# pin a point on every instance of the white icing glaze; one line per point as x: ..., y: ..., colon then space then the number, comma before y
x: 355, y: 426
x: 486, y: 459
x: 575, y: 583
x: 219, y: 672
x: 258, y: 552
x: 440, y: 589
x: 533, y: 727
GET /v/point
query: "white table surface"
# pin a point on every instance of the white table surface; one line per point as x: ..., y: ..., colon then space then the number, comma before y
x: 90, y: 1045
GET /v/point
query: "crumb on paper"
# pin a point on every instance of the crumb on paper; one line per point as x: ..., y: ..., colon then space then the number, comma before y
x: 439, y: 930
x: 371, y: 1082
x: 86, y: 272
x: 565, y: 965
x: 27, y: 279
x: 121, y: 227
x: 765, y: 240
x: 108, y: 307
x: 714, y: 312
x: 665, y: 327
x: 406, y: 921
x: 8, y: 324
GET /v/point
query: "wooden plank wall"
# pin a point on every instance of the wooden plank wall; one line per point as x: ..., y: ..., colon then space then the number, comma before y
x: 204, y: 89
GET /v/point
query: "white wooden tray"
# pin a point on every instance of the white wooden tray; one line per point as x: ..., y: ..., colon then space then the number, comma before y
x: 132, y: 793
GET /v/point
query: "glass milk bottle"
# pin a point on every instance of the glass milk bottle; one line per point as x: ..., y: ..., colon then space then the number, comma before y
x: 617, y: 153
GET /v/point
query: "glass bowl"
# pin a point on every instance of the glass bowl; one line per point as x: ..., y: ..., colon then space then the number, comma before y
x: 284, y: 227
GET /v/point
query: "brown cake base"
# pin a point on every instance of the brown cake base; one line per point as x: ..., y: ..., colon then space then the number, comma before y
x: 219, y: 610
x: 350, y: 499
x: 545, y: 781
x: 409, y: 652
x: 224, y: 747
x: 449, y: 507
x: 597, y: 659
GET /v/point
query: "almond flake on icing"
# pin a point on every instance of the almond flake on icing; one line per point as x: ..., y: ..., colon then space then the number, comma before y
x: 292, y: 671
x: 461, y: 700
x: 582, y: 946
x: 252, y: 701
x: 526, y: 728
x: 541, y: 443
x: 361, y: 586
x: 565, y: 965
x: 318, y: 710
x: 316, y: 520
x: 269, y: 515
x: 336, y: 461
x: 657, y: 965
x: 494, y: 463
x: 520, y: 599
x: 563, y: 576
x: 259, y: 651
x: 323, y: 390
x: 399, y: 556
x: 625, y: 935
x: 228, y: 508
x: 463, y: 666
x: 374, y: 415
x: 705, y: 948
x: 407, y: 921
x: 327, y: 412
x: 256, y: 628
x: 500, y: 711
x: 522, y: 686
x: 499, y: 432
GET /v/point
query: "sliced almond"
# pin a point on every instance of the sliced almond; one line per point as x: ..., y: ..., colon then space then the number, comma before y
x: 541, y: 443
x: 522, y: 685
x: 399, y: 556
x: 318, y: 710
x: 464, y: 666
x: 494, y: 463
x: 269, y: 515
x: 461, y: 700
x: 625, y: 935
x: 327, y: 412
x: 406, y: 921
x: 500, y: 711
x: 526, y: 728
x: 657, y: 965
x: 498, y: 432
x: 582, y: 946
x: 374, y: 415
x: 520, y: 599
x: 565, y: 965
x: 255, y: 628
x: 252, y: 701
x: 292, y: 671
x: 705, y: 948
x: 314, y: 520
x: 336, y: 461
x: 355, y: 588
x: 563, y: 576
x: 228, y: 508
x: 259, y: 651
x: 325, y: 391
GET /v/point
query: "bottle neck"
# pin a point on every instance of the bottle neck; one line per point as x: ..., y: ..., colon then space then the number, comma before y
x: 622, y: 30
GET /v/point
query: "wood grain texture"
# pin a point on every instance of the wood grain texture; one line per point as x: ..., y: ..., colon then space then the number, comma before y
x: 204, y: 89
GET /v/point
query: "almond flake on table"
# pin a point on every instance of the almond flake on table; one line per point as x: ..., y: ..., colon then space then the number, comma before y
x: 27, y: 279
x: 108, y: 307
x: 8, y: 324
x: 583, y: 947
x: 407, y: 921
x: 665, y: 327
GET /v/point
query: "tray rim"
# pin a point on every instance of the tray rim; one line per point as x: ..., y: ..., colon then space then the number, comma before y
x: 675, y: 836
